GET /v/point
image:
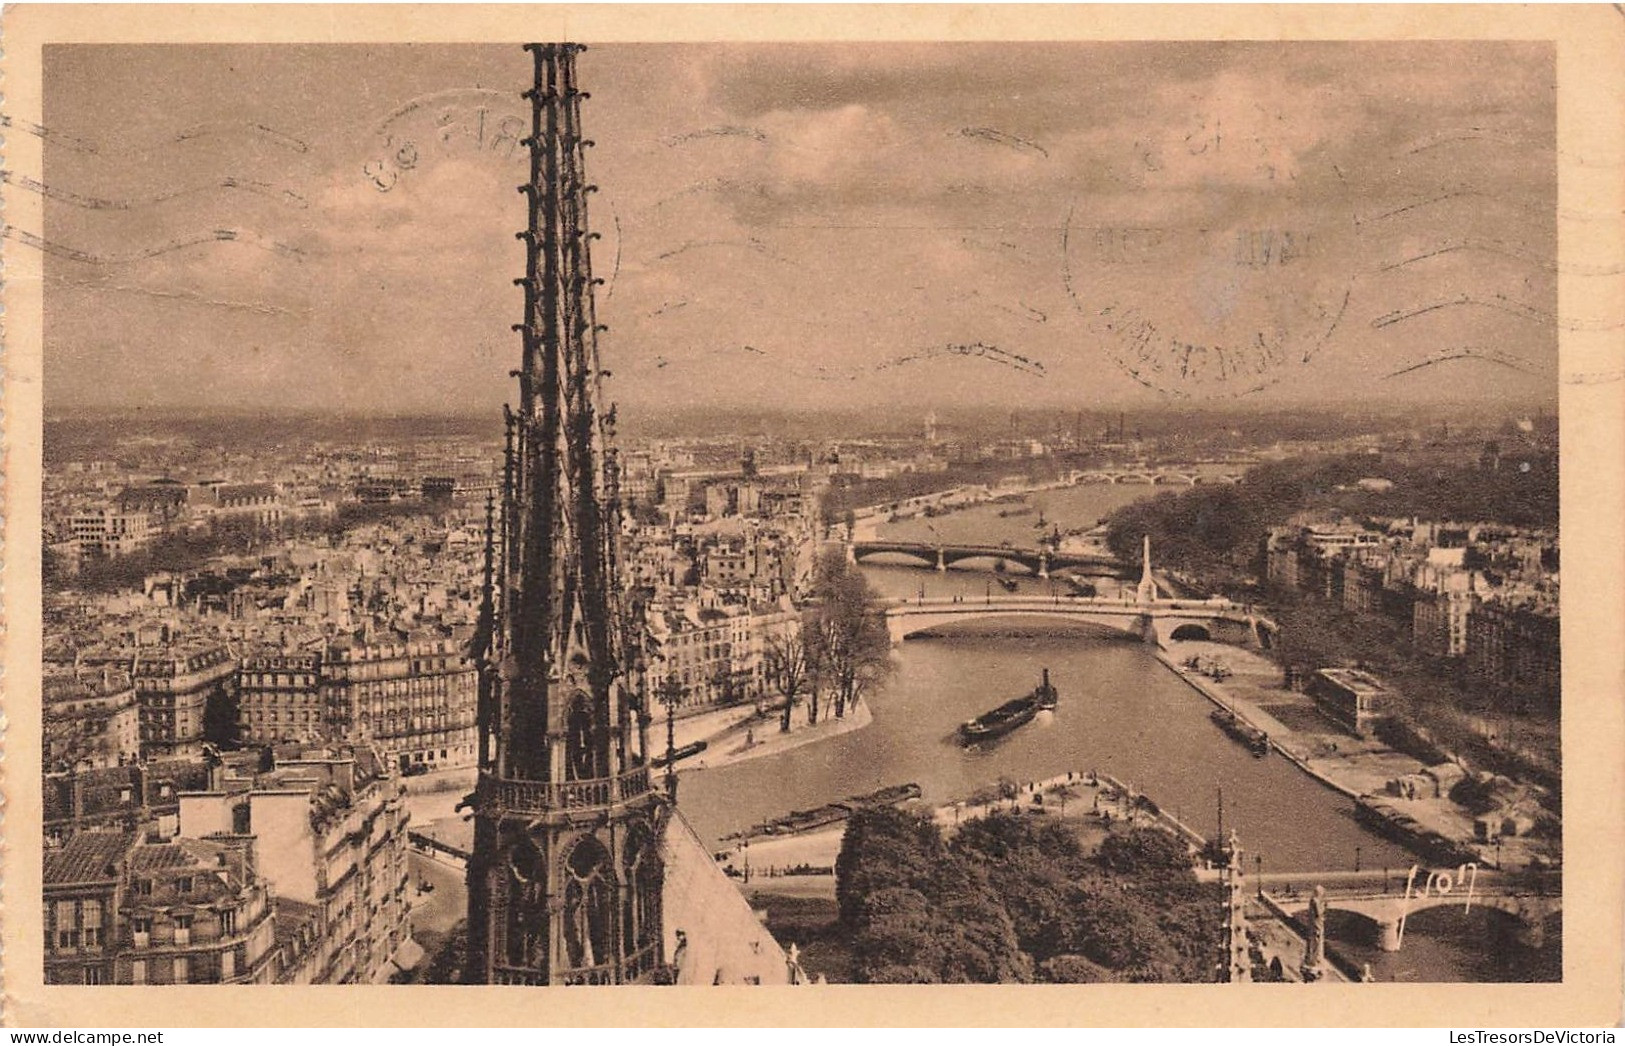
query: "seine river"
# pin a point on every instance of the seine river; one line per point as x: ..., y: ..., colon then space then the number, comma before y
x: 1121, y: 712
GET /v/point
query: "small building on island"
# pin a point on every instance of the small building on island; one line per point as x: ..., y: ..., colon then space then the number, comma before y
x: 1348, y: 697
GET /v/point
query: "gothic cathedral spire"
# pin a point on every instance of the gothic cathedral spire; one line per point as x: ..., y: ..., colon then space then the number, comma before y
x: 565, y: 881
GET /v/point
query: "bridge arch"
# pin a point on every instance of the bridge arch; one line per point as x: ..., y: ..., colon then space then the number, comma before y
x: 1191, y: 630
x: 902, y: 623
x: 1012, y: 558
x: 861, y: 552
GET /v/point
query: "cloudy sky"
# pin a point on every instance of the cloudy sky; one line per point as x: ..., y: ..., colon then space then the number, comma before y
x: 1083, y: 225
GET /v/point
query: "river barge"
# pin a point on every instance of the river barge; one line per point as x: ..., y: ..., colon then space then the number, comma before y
x: 1392, y: 822
x: 830, y: 813
x: 691, y: 749
x: 1238, y: 729
x: 1010, y: 715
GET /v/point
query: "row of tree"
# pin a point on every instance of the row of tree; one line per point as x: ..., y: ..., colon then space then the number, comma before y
x: 840, y: 651
x: 1017, y: 898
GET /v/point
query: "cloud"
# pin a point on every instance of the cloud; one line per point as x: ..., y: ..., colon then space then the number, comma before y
x: 819, y: 203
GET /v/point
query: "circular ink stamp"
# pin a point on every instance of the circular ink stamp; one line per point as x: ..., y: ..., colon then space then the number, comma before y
x: 470, y: 121
x: 1222, y: 259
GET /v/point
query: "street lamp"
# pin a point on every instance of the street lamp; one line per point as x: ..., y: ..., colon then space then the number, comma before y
x: 671, y: 691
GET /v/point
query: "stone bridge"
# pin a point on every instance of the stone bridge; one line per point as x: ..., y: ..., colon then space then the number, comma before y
x: 1384, y: 900
x: 1156, y: 477
x: 1037, y: 561
x: 1156, y: 621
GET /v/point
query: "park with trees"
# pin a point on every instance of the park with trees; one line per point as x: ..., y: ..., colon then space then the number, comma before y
x: 1017, y: 898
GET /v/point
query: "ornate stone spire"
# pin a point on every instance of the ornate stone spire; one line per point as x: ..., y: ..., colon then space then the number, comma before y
x: 565, y: 881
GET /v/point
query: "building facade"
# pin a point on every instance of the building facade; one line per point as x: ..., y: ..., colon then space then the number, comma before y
x: 174, y: 691
x: 91, y: 719
x: 279, y: 698
x: 109, y: 532
x: 187, y: 911
x: 330, y: 829
x: 1516, y: 650
x: 1349, y: 698
x: 413, y: 697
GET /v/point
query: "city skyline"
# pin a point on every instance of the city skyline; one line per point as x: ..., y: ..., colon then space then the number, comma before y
x: 832, y: 224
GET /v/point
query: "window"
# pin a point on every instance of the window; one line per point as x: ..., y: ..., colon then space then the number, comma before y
x: 91, y: 917
x: 67, y: 925
x: 141, y: 930
x: 94, y: 975
x: 184, y: 884
x: 183, y: 969
x: 138, y: 972
x: 228, y: 921
x: 183, y: 929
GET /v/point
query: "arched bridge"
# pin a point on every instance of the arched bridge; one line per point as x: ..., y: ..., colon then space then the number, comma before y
x: 1156, y: 477
x: 1389, y: 897
x: 1155, y: 621
x: 1038, y: 561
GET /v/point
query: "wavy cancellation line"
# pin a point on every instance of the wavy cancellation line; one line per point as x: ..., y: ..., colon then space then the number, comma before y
x: 1508, y: 250
x: 191, y: 134
x: 102, y: 203
x: 1501, y: 303
x: 58, y: 250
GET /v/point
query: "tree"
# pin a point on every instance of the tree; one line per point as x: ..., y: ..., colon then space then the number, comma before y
x: 847, y: 641
x: 220, y: 717
x: 784, y: 662
x: 1074, y: 969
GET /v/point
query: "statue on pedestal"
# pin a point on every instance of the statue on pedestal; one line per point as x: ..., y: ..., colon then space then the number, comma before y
x: 1314, y: 947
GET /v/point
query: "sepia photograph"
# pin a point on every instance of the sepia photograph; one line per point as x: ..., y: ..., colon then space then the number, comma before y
x: 560, y: 509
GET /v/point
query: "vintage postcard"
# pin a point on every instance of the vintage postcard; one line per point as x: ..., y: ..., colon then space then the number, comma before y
x: 781, y: 514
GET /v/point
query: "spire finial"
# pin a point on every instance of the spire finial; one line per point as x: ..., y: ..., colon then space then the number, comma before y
x: 1148, y: 585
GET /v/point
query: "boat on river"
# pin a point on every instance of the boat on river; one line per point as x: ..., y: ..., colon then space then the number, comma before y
x: 830, y: 814
x: 692, y: 748
x: 1238, y: 729
x: 1010, y: 715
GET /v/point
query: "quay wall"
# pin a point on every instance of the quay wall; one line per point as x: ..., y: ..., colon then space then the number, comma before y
x: 1218, y: 700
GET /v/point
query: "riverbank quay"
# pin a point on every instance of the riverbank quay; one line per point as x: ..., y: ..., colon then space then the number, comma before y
x: 1092, y: 801
x: 1360, y: 768
x: 753, y: 737
x: 701, y: 726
